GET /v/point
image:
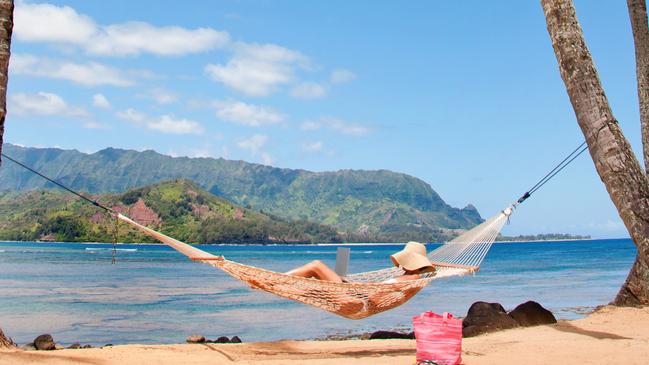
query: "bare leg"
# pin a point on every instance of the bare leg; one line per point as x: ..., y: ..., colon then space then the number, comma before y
x: 316, y: 269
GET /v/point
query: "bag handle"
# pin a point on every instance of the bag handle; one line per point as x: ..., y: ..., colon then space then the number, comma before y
x: 430, y: 314
x: 446, y: 317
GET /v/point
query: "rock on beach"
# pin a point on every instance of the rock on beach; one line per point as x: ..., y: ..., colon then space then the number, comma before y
x: 486, y: 317
x: 532, y: 313
x: 195, y: 339
x: 44, y: 342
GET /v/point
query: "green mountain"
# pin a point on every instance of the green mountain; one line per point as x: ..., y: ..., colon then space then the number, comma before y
x: 366, y: 203
x: 178, y: 208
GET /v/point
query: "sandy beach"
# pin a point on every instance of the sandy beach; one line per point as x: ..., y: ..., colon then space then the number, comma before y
x: 610, y: 335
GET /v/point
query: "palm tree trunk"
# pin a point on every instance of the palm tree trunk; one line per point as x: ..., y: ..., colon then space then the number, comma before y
x: 617, y: 166
x: 6, y: 27
x: 5, y: 342
x: 640, y: 28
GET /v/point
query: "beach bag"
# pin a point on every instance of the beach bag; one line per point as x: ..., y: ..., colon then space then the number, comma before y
x: 439, y: 338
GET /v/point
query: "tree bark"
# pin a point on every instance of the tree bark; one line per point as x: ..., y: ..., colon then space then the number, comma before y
x: 617, y: 166
x: 5, y: 342
x: 6, y: 27
x: 640, y: 28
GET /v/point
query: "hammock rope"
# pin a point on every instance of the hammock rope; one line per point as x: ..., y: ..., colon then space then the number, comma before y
x: 560, y: 166
x: 365, y: 293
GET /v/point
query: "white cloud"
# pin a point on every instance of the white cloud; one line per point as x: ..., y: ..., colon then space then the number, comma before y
x: 309, y: 90
x: 93, y: 125
x: 89, y: 74
x: 51, y: 23
x: 313, y: 146
x: 247, y: 114
x: 165, y: 123
x: 258, y: 70
x: 100, y: 101
x: 43, y: 103
x: 337, y: 125
x: 23, y: 63
x: 266, y: 159
x: 193, y: 152
x: 62, y: 24
x: 352, y: 129
x: 253, y: 144
x: 161, y: 96
x: 132, y: 116
x: 341, y: 75
x: 170, y: 125
x: 225, y: 152
x: 134, y: 38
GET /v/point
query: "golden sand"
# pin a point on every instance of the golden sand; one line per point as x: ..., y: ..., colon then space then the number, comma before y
x: 609, y: 336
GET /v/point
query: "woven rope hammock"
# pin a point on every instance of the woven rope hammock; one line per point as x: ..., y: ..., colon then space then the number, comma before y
x: 365, y: 293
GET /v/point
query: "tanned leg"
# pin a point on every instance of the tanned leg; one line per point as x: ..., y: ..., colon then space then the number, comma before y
x: 316, y: 269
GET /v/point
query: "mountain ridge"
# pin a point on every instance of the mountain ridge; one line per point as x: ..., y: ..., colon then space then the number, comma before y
x: 357, y: 201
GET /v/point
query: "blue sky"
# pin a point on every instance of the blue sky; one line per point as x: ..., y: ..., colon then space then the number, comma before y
x: 466, y: 96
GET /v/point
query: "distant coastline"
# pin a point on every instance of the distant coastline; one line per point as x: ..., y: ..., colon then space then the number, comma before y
x: 542, y: 237
x: 320, y: 244
x: 553, y: 240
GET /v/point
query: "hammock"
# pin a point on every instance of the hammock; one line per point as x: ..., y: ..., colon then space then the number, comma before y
x: 366, y: 293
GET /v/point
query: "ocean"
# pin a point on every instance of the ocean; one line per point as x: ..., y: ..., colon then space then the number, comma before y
x: 155, y: 295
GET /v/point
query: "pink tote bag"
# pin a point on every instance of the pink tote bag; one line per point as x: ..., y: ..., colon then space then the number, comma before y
x: 439, y: 338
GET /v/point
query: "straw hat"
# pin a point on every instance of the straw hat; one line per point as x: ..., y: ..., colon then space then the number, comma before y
x: 412, y: 257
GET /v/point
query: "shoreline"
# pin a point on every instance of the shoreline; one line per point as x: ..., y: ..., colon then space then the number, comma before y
x: 606, y: 336
x: 378, y: 244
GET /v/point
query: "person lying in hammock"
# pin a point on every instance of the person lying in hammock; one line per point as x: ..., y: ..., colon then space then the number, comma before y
x: 412, y: 260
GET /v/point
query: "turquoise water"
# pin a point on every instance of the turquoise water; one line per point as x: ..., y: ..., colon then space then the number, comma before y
x: 155, y: 295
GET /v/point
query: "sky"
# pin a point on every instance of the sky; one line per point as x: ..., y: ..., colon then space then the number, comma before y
x: 465, y: 95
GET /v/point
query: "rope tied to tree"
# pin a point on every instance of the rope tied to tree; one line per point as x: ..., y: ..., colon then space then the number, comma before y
x: 560, y: 166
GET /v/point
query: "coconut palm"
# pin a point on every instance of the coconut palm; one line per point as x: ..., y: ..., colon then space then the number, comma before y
x: 6, y: 27
x: 615, y: 162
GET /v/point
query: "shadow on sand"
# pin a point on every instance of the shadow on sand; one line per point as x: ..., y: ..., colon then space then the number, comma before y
x: 571, y: 328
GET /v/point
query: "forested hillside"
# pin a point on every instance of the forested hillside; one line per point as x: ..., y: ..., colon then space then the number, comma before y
x: 368, y: 203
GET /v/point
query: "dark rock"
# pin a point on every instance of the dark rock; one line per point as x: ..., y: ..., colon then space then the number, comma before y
x: 222, y: 339
x: 86, y: 346
x: 108, y: 345
x: 486, y: 317
x: 384, y: 335
x: 195, y: 339
x: 75, y: 345
x: 44, y: 342
x: 532, y: 314
x: 235, y: 339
